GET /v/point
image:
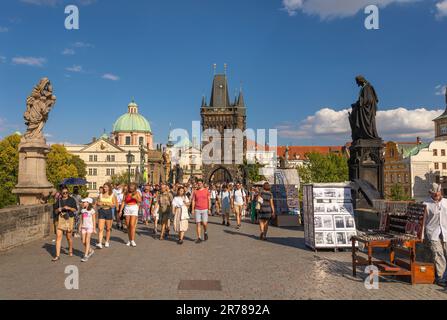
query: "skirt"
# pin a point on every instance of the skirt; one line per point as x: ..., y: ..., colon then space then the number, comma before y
x: 131, y: 211
x: 65, y: 224
x: 180, y: 225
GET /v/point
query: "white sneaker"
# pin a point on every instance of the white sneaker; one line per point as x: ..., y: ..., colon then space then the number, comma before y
x: 99, y: 245
x: 133, y: 244
x: 128, y: 243
x: 107, y: 245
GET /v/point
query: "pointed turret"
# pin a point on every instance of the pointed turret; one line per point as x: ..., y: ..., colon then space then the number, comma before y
x: 241, y: 101
x: 203, y: 101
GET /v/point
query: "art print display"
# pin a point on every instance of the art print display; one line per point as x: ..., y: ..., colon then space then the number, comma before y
x: 330, y: 216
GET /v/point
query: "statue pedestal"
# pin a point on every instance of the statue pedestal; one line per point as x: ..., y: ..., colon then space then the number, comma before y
x: 366, y: 163
x: 33, y: 186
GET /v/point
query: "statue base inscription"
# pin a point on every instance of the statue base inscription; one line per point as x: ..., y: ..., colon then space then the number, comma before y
x: 33, y: 186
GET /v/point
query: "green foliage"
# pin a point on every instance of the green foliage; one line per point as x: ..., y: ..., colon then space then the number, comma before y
x: 121, y: 178
x: 398, y: 194
x: 9, y: 164
x: 321, y: 168
x: 62, y: 165
x: 252, y: 171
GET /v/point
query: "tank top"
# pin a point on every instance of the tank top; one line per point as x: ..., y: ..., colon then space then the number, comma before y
x: 106, y: 201
x: 129, y: 200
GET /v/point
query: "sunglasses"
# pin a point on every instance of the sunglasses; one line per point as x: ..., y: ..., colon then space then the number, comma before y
x: 64, y: 192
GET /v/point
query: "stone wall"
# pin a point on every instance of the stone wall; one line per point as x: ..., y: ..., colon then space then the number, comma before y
x: 22, y: 224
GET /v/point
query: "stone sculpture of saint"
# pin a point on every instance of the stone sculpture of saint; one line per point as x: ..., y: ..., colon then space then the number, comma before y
x: 363, y: 116
x: 38, y: 106
x: 167, y: 164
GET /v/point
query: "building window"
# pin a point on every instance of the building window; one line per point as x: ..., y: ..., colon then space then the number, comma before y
x: 94, y: 186
x: 436, y: 166
x: 127, y: 141
x: 406, y: 178
x: 93, y: 158
x: 444, y: 166
x: 110, y: 158
x: 443, y: 152
x: 141, y: 140
x: 398, y: 178
x: 110, y: 172
x: 435, y: 152
x: 392, y: 153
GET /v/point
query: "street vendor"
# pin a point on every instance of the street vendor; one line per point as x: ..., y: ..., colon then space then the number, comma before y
x: 436, y: 231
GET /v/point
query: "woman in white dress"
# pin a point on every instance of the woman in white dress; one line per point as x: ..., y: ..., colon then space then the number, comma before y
x: 181, y: 216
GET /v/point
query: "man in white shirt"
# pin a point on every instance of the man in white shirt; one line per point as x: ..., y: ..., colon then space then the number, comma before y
x: 238, y: 202
x: 436, y: 231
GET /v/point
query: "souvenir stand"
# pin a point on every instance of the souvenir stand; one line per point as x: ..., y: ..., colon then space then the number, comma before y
x: 328, y: 216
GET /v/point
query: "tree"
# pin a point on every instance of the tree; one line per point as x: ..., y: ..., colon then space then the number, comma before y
x: 62, y: 165
x: 321, y: 168
x: 252, y: 171
x: 121, y: 178
x: 397, y: 193
x: 9, y: 165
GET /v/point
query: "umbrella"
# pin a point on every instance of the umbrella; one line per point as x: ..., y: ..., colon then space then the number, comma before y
x: 74, y: 182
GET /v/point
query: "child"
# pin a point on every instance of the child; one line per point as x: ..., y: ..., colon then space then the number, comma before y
x: 87, y: 226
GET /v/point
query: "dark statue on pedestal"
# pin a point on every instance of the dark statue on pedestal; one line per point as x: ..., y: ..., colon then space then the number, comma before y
x: 366, y: 161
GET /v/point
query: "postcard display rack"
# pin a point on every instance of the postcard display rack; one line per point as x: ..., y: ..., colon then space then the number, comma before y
x: 328, y: 216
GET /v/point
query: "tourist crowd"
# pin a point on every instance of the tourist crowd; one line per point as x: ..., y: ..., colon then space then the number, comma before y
x: 164, y: 206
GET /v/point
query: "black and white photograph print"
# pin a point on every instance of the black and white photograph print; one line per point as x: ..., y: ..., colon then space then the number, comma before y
x: 319, y: 208
x: 339, y: 222
x: 330, y: 193
x: 332, y: 208
x: 318, y: 193
x: 341, y: 238
x: 346, y: 208
x: 318, y: 222
x: 319, y: 238
x: 349, y: 222
x: 329, y: 238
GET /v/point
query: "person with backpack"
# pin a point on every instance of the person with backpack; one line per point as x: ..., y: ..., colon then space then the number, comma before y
x: 225, y: 205
x: 238, y: 203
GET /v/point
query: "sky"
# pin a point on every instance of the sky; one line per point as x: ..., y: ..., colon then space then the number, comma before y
x: 295, y: 60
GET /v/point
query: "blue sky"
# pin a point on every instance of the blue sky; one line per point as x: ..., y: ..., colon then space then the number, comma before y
x: 296, y: 60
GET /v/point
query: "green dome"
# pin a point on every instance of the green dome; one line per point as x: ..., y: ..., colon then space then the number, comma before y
x: 132, y: 121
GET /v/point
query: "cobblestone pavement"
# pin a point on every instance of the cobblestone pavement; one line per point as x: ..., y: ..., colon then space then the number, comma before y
x: 281, y: 268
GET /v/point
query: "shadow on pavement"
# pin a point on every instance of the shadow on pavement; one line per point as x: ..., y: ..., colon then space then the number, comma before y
x: 284, y: 241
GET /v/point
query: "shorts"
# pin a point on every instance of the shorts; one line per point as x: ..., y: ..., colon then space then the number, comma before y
x: 238, y: 209
x: 86, y: 230
x: 131, y: 211
x: 201, y: 216
x: 105, y: 214
x: 226, y: 210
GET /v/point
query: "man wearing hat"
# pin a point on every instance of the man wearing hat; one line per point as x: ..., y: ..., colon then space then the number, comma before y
x: 436, y: 231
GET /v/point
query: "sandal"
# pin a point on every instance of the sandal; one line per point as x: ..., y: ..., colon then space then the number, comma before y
x: 55, y: 259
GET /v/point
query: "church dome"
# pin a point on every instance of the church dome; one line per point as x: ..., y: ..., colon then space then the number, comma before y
x: 132, y: 121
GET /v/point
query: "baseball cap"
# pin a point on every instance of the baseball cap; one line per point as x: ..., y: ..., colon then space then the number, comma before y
x: 88, y: 200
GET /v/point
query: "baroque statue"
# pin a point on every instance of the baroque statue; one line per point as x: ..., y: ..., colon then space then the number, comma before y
x: 363, y: 116
x: 167, y: 164
x: 38, y: 106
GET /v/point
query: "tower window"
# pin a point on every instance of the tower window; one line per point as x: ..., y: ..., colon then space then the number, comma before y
x: 141, y: 141
x: 127, y: 141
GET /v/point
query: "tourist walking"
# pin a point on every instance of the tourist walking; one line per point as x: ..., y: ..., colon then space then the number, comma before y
x: 436, y: 231
x: 146, y: 202
x: 119, y: 194
x: 213, y: 197
x: 238, y: 203
x: 87, y: 227
x: 181, y: 216
x: 77, y: 217
x: 64, y: 208
x: 129, y: 209
x: 225, y: 205
x: 201, y: 204
x: 266, y: 211
x: 106, y: 201
x: 253, y: 205
x: 165, y: 209
x: 154, y: 210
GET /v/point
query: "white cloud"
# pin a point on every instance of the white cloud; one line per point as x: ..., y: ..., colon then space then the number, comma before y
x: 328, y: 9
x: 50, y: 3
x: 3, y: 29
x: 68, y: 52
x: 75, y: 68
x: 440, y: 90
x: 394, y: 124
x: 29, y: 61
x: 441, y: 7
x: 81, y: 44
x: 109, y: 76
